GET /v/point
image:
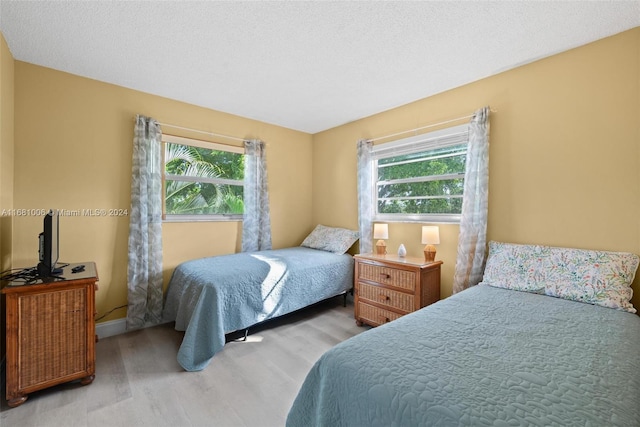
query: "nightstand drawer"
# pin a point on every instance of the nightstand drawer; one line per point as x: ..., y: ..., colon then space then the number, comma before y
x: 374, y: 315
x: 387, y: 276
x: 400, y: 300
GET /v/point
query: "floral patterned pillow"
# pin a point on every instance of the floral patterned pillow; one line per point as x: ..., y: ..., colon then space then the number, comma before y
x: 517, y: 267
x: 331, y: 239
x: 594, y: 277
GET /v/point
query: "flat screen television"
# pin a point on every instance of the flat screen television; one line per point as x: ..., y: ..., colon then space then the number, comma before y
x: 49, y: 245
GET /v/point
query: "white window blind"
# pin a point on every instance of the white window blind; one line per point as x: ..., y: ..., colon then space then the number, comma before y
x: 437, y: 139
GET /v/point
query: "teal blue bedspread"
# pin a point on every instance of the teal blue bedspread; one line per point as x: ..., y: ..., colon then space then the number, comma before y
x: 212, y: 296
x: 483, y: 357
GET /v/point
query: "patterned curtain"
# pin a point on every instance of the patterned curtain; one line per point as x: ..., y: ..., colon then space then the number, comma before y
x: 256, y: 227
x: 472, y: 240
x: 365, y: 197
x: 144, y: 278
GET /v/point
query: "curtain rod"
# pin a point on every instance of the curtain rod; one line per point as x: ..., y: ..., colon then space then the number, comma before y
x: 424, y: 127
x: 203, y: 132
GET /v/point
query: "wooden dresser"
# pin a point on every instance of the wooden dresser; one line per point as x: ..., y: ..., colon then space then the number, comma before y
x: 50, y: 332
x: 387, y: 287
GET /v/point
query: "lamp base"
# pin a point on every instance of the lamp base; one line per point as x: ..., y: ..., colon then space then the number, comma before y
x: 381, y: 247
x: 429, y: 253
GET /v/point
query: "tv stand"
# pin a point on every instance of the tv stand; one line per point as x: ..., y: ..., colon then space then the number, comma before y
x: 50, y: 331
x: 45, y: 272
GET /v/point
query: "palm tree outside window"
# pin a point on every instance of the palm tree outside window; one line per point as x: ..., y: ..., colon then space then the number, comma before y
x: 202, y: 180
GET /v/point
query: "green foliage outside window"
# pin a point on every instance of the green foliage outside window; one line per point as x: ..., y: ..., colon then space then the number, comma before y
x: 203, y: 181
x: 428, y: 182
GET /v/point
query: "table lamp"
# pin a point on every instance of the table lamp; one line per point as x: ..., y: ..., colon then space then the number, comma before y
x: 381, y: 231
x: 430, y: 237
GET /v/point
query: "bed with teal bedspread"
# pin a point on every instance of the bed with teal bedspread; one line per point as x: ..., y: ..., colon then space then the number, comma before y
x: 210, y: 297
x: 492, y: 355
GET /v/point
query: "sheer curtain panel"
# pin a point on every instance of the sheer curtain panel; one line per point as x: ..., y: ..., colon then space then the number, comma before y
x: 472, y: 240
x: 365, y: 198
x: 256, y: 226
x: 144, y: 276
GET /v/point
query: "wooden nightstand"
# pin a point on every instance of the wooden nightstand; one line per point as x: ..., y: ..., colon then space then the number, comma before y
x: 387, y: 287
x: 50, y: 332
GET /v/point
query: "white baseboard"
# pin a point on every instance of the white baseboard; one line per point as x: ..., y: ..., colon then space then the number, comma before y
x: 111, y: 328
x: 115, y: 327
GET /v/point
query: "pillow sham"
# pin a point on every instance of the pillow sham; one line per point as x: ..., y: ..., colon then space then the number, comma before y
x: 516, y: 267
x: 331, y: 239
x: 594, y: 277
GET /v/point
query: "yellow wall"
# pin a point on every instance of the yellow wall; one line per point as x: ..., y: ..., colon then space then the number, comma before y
x: 73, y: 151
x: 564, y: 156
x: 6, y: 165
x: 564, y: 168
x: 6, y: 150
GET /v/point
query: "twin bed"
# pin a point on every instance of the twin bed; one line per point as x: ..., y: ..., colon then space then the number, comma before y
x: 210, y: 297
x: 548, y: 338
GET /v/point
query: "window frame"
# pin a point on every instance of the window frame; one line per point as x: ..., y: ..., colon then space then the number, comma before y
x: 447, y: 137
x: 172, y: 139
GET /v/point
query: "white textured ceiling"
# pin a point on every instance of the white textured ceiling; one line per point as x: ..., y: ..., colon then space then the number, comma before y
x: 307, y: 66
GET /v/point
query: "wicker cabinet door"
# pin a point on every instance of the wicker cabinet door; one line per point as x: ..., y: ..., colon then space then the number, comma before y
x: 52, y: 332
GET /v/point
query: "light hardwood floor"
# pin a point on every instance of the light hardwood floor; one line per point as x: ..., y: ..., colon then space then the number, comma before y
x: 139, y: 382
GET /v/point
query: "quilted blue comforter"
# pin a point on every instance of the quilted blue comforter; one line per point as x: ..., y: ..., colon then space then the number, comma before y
x: 483, y: 357
x: 212, y: 296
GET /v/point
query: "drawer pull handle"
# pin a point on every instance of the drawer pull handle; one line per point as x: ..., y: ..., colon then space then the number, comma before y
x: 384, y: 297
x: 385, y: 275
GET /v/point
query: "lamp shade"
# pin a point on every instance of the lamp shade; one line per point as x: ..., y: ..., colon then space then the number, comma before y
x: 430, y: 235
x: 380, y: 231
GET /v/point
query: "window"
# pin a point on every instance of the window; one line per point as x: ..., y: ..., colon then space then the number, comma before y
x: 421, y: 178
x: 202, y: 180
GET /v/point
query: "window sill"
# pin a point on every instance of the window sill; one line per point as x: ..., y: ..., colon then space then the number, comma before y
x: 433, y: 219
x: 202, y: 218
